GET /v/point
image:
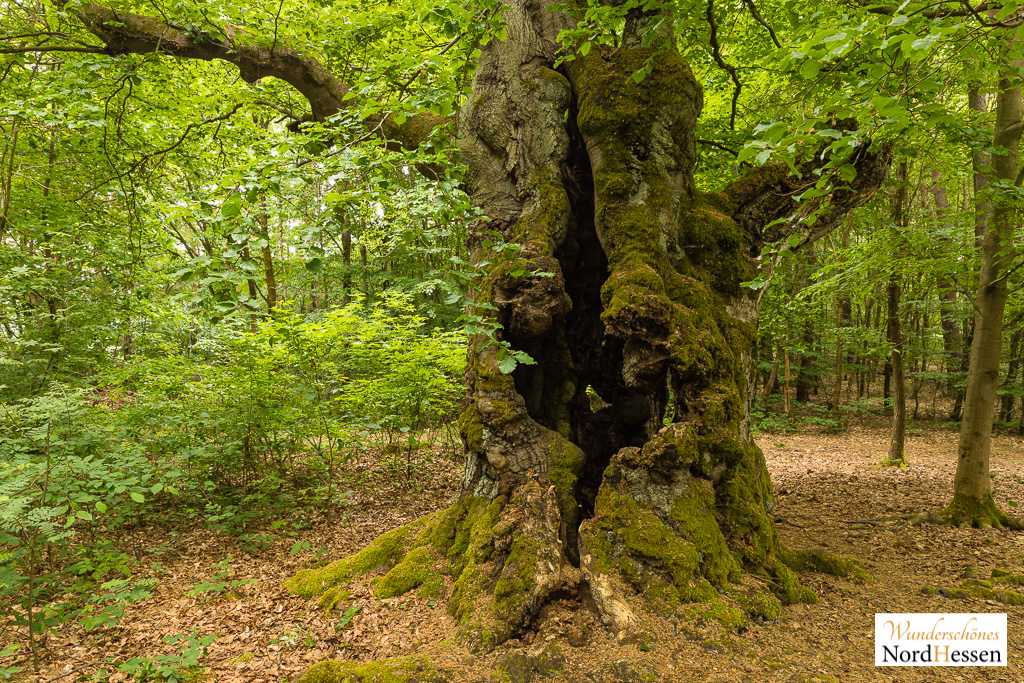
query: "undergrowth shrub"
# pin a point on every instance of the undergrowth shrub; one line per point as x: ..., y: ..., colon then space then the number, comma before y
x: 264, y: 416
x: 68, y: 480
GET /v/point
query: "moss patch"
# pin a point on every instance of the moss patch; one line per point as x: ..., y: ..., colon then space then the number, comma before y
x: 821, y: 560
x: 383, y: 553
x: 398, y: 670
x: 994, y: 589
x: 970, y: 511
x: 411, y: 572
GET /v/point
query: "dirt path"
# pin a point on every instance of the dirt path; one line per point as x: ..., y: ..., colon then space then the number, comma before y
x: 822, y: 483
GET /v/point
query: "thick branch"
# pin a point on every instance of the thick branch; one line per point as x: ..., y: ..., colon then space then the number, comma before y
x: 127, y: 33
x: 51, y: 48
x: 765, y: 195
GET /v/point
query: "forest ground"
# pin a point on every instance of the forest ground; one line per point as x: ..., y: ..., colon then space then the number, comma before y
x: 823, y: 482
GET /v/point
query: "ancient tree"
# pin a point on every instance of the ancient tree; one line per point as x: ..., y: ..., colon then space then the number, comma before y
x: 621, y: 463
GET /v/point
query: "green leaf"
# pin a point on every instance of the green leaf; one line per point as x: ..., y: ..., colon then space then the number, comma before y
x: 585, y: 49
x: 231, y: 207
x: 506, y: 362
x: 794, y: 241
x: 101, y: 506
x: 810, y: 69
x: 315, y: 265
x: 137, y: 497
x: 83, y: 515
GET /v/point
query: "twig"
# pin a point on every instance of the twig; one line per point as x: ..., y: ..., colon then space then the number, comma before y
x: 712, y: 143
x: 716, y: 52
x: 277, y: 107
x: 761, y: 20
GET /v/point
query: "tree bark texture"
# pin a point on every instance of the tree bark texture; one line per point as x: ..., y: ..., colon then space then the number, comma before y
x: 952, y: 339
x: 620, y: 465
x: 894, y: 330
x: 972, y: 494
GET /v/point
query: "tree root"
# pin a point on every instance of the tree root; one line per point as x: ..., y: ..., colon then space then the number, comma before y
x: 821, y: 560
x: 986, y: 589
x: 505, y: 557
x: 875, y: 521
x: 971, y: 512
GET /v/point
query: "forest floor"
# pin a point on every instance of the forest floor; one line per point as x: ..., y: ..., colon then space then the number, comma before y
x: 823, y: 483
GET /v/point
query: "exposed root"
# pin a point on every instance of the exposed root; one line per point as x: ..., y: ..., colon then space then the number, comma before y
x: 506, y: 559
x: 875, y: 521
x: 969, y: 511
x: 990, y: 589
x: 821, y: 560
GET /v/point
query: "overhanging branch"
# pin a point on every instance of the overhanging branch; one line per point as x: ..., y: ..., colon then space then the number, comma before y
x: 128, y: 33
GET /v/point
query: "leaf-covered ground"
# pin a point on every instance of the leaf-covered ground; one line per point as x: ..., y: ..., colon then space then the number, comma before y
x: 825, y: 483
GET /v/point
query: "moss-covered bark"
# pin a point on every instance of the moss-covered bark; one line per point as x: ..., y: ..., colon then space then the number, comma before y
x: 621, y: 462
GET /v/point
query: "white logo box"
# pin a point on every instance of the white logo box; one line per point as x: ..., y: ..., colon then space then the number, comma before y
x: 940, y: 639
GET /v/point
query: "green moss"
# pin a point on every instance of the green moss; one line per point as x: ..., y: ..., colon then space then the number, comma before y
x: 764, y: 607
x: 632, y: 541
x: 787, y: 588
x: 730, y: 618
x: 471, y: 428
x: 977, y: 589
x: 411, y: 572
x: 1002, y: 576
x: 566, y: 461
x: 382, y: 553
x: 517, y: 577
x: 711, y: 243
x: 398, y: 670
x: 332, y: 596
x: 694, y: 516
x: 970, y: 511
x: 820, y: 560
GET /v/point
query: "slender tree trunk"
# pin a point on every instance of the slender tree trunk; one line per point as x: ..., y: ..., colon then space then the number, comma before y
x: 785, y: 395
x: 1007, y: 401
x: 346, y: 258
x: 952, y: 341
x: 899, y: 402
x: 837, y: 393
x: 269, y: 276
x: 972, y: 494
x: 773, y: 379
x: 894, y: 330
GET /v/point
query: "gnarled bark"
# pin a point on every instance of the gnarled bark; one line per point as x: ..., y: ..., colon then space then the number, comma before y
x: 621, y: 463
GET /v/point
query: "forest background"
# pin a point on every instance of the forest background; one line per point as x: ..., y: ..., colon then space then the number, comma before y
x: 211, y: 301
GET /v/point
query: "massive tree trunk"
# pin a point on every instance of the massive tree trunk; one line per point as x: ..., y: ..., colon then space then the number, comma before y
x: 972, y: 493
x: 620, y: 464
x: 578, y: 476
